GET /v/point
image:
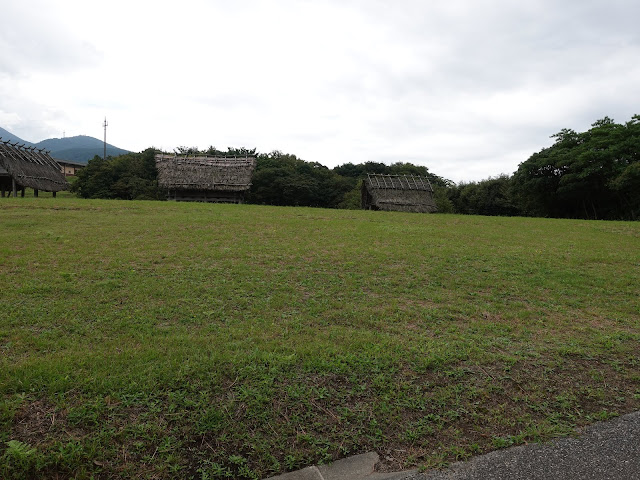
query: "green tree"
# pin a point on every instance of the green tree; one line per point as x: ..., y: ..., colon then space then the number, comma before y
x: 283, y: 179
x: 493, y: 196
x: 585, y: 175
x: 442, y: 200
x: 129, y: 177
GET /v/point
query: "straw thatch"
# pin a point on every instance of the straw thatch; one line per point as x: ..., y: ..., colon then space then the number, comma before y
x: 205, y: 178
x: 30, y: 167
x: 400, y: 193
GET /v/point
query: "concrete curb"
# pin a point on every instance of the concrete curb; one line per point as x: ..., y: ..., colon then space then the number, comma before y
x: 358, y: 467
x: 603, y: 451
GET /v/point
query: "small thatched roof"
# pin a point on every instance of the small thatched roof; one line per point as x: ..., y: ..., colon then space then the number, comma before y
x: 32, y: 167
x: 69, y: 163
x: 203, y: 172
x: 405, y: 193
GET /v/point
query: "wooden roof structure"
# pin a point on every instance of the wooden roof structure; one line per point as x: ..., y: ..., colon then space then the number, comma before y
x: 30, y: 167
x: 402, y: 193
x: 204, y: 177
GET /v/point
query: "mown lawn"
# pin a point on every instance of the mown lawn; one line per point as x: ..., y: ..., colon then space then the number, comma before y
x: 164, y: 340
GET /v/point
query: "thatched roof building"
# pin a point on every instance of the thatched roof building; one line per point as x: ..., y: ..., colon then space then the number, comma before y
x: 203, y: 178
x: 22, y: 166
x: 400, y: 193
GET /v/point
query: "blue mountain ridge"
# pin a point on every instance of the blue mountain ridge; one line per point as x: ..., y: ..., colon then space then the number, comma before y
x: 7, y: 135
x: 80, y: 149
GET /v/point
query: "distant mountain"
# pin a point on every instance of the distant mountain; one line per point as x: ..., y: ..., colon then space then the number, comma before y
x: 78, y: 149
x: 6, y: 135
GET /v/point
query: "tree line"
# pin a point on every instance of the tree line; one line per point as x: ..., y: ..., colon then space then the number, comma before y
x: 593, y: 175
x: 279, y: 178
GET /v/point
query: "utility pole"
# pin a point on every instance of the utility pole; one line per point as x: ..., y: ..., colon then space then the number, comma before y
x: 104, y: 157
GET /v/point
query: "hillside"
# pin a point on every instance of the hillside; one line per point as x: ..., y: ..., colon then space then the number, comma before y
x: 7, y: 135
x: 80, y: 148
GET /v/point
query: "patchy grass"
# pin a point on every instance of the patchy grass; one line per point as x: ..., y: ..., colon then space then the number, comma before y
x: 163, y: 340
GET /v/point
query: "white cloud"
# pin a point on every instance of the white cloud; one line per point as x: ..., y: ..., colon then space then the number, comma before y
x: 32, y: 39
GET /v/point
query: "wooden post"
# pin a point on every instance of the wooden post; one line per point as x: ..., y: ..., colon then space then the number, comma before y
x: 35, y: 192
x: 22, y: 193
x: 14, y: 187
x: 54, y: 194
x: 2, y: 190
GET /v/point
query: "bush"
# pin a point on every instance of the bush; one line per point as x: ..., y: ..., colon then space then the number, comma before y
x: 128, y: 177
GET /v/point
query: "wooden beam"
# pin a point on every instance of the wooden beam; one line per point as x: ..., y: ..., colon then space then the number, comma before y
x: 14, y: 187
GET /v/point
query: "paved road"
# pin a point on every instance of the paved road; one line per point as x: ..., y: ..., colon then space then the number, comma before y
x: 605, y: 451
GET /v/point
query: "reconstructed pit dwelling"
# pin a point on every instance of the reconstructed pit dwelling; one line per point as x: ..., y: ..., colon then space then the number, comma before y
x: 204, y: 178
x: 28, y: 167
x: 398, y: 193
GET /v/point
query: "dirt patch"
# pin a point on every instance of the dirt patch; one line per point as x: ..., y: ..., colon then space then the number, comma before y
x: 35, y: 420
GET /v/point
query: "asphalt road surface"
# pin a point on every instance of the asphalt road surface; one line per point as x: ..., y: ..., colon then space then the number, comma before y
x: 604, y: 451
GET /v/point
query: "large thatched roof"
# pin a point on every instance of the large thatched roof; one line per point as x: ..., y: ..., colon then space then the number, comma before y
x: 405, y: 193
x: 32, y: 167
x: 203, y: 172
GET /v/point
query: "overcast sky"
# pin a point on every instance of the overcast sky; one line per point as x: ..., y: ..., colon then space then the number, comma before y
x: 468, y: 88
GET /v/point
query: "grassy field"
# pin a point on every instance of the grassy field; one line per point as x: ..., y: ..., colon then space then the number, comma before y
x: 164, y: 340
